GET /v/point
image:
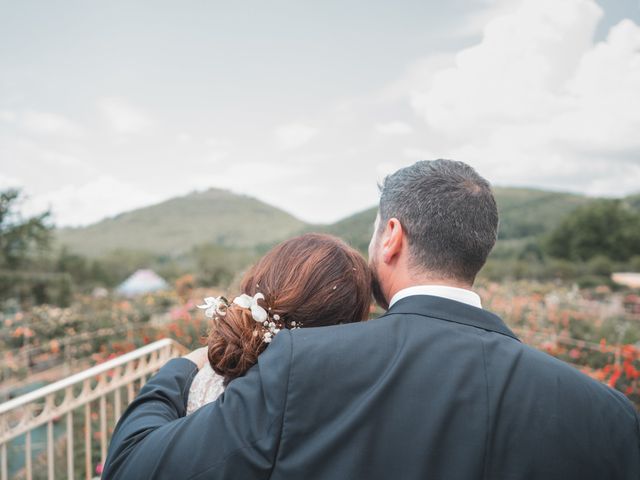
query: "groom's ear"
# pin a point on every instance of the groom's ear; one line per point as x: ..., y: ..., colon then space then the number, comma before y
x: 393, y: 240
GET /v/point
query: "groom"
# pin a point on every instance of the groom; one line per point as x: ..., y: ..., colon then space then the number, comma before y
x: 437, y: 388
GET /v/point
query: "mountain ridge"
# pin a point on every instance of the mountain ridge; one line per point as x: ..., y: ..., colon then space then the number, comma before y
x: 228, y: 219
x: 177, y: 224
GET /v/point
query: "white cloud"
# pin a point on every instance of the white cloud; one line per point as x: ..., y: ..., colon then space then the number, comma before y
x: 217, y: 142
x: 65, y: 160
x: 215, y: 157
x: 53, y: 163
x: 294, y: 135
x: 46, y: 123
x: 7, y: 116
x: 417, y: 77
x: 537, y: 102
x: 604, y: 95
x: 625, y: 179
x: 476, y: 21
x: 394, y: 128
x: 74, y: 205
x: 7, y: 181
x: 533, y: 102
x: 248, y: 177
x: 516, y: 72
x: 386, y: 168
x: 416, y: 153
x: 184, y: 137
x: 123, y: 117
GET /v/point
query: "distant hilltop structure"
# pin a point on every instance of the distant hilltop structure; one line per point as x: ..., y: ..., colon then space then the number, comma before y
x: 628, y: 279
x: 141, y: 282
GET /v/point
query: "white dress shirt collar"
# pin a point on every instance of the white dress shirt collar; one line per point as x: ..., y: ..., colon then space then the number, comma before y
x: 452, y: 293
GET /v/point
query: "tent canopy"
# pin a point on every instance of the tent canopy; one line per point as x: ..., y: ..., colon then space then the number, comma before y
x: 141, y: 282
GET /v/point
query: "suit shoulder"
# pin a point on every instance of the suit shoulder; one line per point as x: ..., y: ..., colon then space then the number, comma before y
x: 548, y: 370
x: 338, y: 336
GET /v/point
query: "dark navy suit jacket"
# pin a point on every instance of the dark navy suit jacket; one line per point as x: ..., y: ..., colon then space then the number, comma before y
x: 434, y: 389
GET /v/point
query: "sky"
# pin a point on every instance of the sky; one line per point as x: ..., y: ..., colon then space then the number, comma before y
x: 107, y: 106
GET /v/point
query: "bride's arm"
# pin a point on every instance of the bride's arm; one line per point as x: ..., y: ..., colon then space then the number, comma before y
x: 234, y: 437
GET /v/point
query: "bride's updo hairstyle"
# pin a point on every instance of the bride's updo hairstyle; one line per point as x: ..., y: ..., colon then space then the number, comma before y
x: 313, y: 280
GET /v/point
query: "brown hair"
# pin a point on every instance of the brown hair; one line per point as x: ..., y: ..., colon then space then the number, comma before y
x: 313, y: 280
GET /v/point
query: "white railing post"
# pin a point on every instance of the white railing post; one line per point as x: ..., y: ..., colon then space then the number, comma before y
x: 4, y: 475
x: 27, y: 456
x: 70, y: 459
x: 38, y: 410
x: 103, y: 429
x: 87, y: 441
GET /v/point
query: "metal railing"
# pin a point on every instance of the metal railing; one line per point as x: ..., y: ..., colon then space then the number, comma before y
x: 65, y: 418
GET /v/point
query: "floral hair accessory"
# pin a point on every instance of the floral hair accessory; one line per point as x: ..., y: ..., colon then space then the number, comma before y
x: 215, y: 306
x: 258, y: 313
x: 270, y: 326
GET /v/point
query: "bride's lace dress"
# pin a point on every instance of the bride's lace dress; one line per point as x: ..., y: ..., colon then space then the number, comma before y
x: 205, y: 388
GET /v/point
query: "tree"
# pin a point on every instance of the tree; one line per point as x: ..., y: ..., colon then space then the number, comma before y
x: 218, y: 265
x: 20, y: 237
x: 75, y: 265
x: 606, y: 228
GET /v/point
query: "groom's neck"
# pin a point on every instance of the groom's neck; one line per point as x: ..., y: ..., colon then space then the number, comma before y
x: 406, y: 281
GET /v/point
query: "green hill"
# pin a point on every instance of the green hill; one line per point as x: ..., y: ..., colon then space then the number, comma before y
x: 356, y: 229
x: 634, y: 201
x: 526, y: 212
x: 176, y: 225
x: 222, y: 218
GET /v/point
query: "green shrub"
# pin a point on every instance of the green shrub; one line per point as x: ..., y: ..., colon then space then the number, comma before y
x: 31, y: 288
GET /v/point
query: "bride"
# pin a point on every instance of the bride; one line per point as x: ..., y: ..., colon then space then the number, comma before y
x: 313, y: 280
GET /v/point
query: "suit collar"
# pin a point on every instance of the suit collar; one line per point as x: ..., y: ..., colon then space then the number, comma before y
x: 450, y: 311
x: 452, y: 293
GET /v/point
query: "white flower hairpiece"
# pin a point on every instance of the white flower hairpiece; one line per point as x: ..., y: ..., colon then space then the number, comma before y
x: 218, y: 306
x: 258, y: 313
x: 215, y: 306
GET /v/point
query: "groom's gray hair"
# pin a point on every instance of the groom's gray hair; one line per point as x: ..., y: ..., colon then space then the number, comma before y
x: 448, y: 213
